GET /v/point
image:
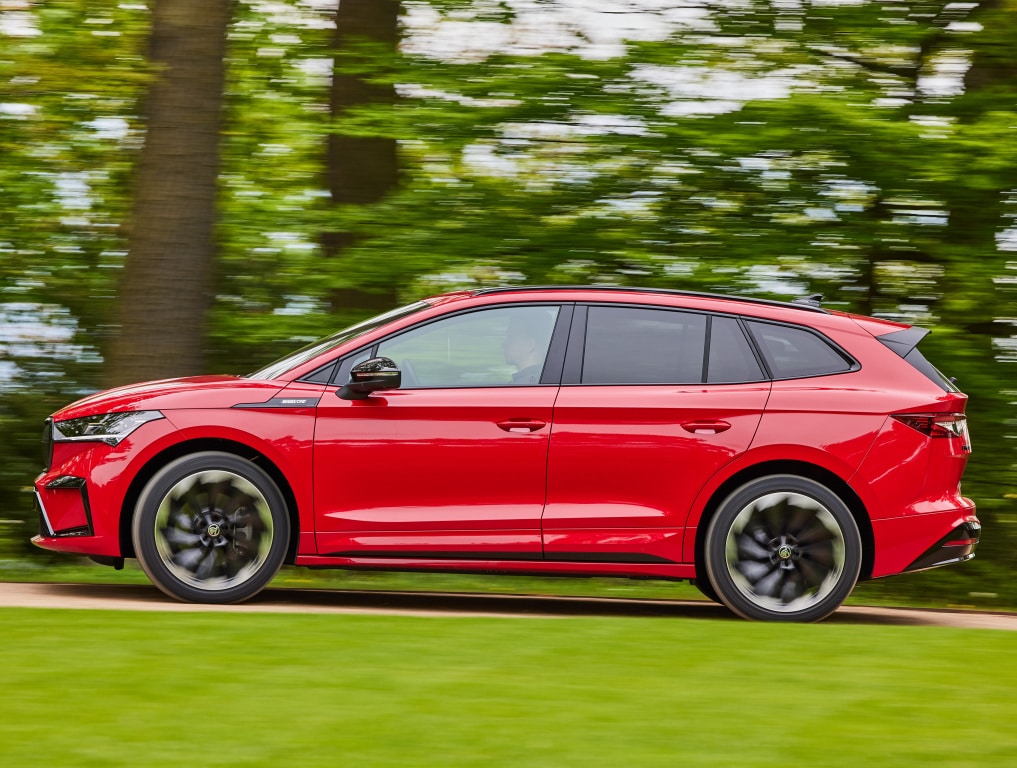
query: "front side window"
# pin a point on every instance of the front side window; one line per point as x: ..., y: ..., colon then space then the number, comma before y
x: 504, y: 346
x: 794, y: 353
x: 632, y: 345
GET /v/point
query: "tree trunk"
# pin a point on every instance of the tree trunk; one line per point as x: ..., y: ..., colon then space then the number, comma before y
x: 361, y: 169
x: 166, y: 287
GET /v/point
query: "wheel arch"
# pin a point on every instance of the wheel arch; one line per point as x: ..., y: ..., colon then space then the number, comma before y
x: 788, y: 467
x: 187, y: 447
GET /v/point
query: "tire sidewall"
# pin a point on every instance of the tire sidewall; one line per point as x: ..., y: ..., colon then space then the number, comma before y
x: 146, y: 510
x: 716, y: 548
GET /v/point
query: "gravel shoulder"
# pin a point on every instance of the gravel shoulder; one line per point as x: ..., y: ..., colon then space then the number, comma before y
x: 148, y: 598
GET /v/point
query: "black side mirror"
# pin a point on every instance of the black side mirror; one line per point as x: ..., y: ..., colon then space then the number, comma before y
x: 374, y: 375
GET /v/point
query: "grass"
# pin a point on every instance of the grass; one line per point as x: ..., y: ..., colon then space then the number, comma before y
x: 102, y: 688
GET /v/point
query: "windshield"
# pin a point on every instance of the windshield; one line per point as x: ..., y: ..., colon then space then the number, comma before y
x: 292, y: 360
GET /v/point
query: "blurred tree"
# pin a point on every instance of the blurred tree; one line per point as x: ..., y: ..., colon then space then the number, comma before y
x: 166, y: 287
x: 70, y: 73
x: 361, y: 169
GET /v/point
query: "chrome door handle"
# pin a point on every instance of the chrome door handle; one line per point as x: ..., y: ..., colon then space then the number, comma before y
x: 522, y: 425
x: 706, y: 427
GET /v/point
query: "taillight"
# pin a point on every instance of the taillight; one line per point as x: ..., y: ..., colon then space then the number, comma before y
x: 953, y: 425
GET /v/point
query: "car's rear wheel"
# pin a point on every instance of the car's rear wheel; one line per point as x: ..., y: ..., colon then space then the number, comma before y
x: 211, y: 528
x: 783, y: 548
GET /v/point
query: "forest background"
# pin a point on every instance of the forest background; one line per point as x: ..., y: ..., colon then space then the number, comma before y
x: 200, y: 187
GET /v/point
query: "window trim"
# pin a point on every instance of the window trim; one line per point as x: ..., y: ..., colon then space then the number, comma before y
x: 572, y: 374
x: 575, y: 357
x: 554, y: 362
x: 853, y: 364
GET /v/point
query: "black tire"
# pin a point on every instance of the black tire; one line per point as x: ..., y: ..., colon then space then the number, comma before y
x: 211, y: 528
x: 702, y: 583
x: 783, y: 548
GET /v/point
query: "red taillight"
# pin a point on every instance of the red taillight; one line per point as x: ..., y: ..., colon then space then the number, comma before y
x: 953, y: 425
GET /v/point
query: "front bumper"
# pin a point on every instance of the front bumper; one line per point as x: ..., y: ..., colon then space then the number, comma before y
x: 69, y: 512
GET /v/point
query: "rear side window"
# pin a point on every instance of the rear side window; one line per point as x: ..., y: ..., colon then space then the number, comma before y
x: 731, y: 357
x: 793, y: 353
x: 629, y: 345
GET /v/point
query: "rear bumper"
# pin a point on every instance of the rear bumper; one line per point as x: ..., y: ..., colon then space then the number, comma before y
x: 918, y: 542
x: 956, y: 547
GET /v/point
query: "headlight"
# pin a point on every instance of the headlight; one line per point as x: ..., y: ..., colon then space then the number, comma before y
x: 109, y: 428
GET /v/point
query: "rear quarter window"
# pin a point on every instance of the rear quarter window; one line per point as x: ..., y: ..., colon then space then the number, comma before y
x: 793, y: 353
x: 731, y: 359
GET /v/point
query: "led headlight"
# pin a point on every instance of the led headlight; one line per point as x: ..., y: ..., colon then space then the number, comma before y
x: 109, y: 428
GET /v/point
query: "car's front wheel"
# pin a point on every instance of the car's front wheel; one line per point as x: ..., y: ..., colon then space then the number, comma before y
x: 783, y: 548
x: 211, y: 528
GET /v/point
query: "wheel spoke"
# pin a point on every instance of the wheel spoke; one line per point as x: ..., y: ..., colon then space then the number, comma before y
x: 813, y: 573
x: 769, y: 585
x: 751, y: 549
x: 821, y: 553
x: 181, y: 539
x: 792, y: 589
x: 815, y: 532
x: 754, y: 571
x: 206, y: 566
x: 774, y: 518
x: 188, y: 559
x: 800, y: 517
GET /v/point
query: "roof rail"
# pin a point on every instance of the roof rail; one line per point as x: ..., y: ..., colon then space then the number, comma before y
x: 810, y: 304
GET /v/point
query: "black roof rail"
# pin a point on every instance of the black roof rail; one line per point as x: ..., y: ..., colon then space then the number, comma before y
x: 808, y: 304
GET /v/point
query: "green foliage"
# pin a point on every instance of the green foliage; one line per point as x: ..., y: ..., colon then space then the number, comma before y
x: 862, y: 150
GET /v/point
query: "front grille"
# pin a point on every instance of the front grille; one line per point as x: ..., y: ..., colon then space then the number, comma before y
x: 47, y: 443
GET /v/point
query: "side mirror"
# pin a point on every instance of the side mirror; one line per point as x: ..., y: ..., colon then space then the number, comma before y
x: 374, y: 375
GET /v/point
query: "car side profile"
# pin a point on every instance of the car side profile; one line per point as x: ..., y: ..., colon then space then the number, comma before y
x: 773, y: 453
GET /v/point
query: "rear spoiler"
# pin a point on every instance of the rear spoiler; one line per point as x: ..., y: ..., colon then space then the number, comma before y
x: 902, y: 342
x: 905, y: 344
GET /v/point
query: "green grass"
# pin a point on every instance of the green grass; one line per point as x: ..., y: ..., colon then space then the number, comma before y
x: 103, y: 688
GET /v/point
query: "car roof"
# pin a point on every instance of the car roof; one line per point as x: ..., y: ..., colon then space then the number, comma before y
x: 808, y: 304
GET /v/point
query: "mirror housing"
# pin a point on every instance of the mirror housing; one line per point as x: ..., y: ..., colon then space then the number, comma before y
x: 374, y: 375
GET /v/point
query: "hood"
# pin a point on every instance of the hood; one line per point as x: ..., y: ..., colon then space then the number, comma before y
x: 169, y: 394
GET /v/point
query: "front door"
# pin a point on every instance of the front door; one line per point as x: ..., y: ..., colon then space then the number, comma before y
x: 453, y: 462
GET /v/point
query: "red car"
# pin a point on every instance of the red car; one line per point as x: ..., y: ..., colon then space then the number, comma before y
x: 774, y: 453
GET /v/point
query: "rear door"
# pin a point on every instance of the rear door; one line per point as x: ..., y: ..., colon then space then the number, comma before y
x: 654, y: 401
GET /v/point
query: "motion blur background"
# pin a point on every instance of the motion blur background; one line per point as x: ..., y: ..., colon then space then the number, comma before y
x: 199, y: 187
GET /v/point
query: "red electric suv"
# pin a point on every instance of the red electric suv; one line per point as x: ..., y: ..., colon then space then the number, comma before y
x: 774, y: 453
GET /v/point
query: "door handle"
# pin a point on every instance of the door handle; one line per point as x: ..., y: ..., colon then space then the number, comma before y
x: 522, y: 425
x: 706, y: 427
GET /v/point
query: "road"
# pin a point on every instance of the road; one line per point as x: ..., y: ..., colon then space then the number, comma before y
x: 148, y: 598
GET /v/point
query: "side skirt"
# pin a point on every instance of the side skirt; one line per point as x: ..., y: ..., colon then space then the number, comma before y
x: 671, y: 571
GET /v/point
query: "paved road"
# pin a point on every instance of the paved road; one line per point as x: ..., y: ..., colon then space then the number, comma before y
x: 148, y: 598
